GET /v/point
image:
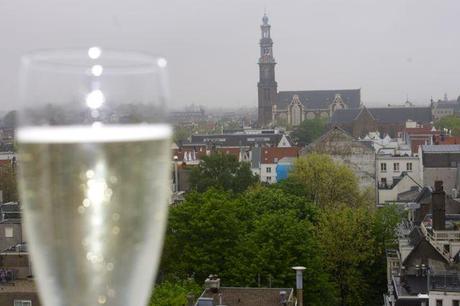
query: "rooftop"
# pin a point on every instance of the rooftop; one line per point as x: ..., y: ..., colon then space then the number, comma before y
x: 441, y: 148
x: 235, y: 296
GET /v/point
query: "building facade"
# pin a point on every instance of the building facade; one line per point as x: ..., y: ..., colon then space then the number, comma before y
x: 345, y: 149
x: 441, y: 162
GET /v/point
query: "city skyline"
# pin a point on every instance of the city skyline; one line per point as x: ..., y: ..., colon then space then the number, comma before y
x: 390, y: 50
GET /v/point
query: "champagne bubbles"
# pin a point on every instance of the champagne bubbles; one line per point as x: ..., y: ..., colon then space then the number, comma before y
x: 97, y: 70
x: 94, y: 52
x: 95, y: 99
x: 162, y: 62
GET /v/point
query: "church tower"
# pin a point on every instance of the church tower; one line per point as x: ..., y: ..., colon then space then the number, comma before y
x: 267, y: 87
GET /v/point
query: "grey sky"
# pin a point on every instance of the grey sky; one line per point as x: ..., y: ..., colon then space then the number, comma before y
x: 389, y: 48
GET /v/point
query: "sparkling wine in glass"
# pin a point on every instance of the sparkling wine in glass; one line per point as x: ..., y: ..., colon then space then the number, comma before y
x: 94, y: 165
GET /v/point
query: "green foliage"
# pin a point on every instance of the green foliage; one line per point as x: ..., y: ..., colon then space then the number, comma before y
x: 346, y: 240
x: 8, y: 183
x: 316, y: 218
x: 175, y: 293
x: 325, y: 182
x: 222, y: 171
x: 202, y: 233
x: 181, y: 133
x: 309, y: 130
x: 451, y: 123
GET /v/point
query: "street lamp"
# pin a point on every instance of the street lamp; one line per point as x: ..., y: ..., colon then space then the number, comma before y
x: 176, y: 182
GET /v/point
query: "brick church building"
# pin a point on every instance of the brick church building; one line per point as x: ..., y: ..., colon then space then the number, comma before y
x: 292, y: 107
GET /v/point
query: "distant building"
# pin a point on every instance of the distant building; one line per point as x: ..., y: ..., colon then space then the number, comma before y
x: 441, y: 162
x: 417, y: 135
x: 283, y: 168
x: 292, y: 107
x: 396, y: 173
x: 424, y: 269
x: 243, y: 140
x: 269, y: 160
x: 10, y: 225
x: 446, y: 107
x: 386, y: 120
x: 346, y: 149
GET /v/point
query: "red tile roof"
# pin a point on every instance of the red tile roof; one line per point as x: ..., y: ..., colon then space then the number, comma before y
x: 273, y: 155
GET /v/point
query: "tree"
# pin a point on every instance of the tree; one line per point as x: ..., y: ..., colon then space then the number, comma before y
x: 174, y: 293
x: 326, y: 182
x: 222, y: 171
x: 276, y: 242
x: 8, y: 183
x: 345, y: 237
x: 451, y: 123
x: 309, y: 130
x: 202, y: 234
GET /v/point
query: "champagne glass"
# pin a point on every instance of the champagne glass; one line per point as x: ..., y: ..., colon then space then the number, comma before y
x: 94, y: 166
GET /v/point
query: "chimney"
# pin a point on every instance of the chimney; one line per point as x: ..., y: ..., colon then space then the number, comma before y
x: 212, y: 283
x: 283, y: 299
x: 438, y: 206
x: 299, y: 284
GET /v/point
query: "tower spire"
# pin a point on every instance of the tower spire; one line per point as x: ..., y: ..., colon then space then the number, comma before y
x: 267, y: 86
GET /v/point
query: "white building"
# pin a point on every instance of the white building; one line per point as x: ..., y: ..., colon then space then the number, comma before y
x: 396, y: 173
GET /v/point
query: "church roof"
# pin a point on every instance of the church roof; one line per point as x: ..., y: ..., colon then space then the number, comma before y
x: 386, y: 114
x: 320, y: 99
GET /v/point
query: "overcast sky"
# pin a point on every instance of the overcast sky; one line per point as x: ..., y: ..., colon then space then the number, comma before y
x: 391, y: 49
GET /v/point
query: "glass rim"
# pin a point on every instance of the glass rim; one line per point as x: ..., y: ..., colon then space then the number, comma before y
x: 74, y: 60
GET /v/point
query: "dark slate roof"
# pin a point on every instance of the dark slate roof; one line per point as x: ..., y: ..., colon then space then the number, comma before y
x: 344, y: 115
x: 320, y: 99
x: 424, y: 196
x: 449, y: 104
x: 386, y: 114
x: 451, y: 148
x: 232, y: 296
x: 409, y: 195
x: 235, y: 140
x: 415, y: 236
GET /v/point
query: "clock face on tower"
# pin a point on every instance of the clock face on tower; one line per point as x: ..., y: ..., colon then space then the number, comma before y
x: 267, y: 51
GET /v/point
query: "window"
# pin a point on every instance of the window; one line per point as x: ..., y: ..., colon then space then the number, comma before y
x: 268, y: 169
x: 438, y: 302
x: 396, y: 167
x: 383, y: 167
x: 22, y: 303
x: 269, y: 179
x: 276, y: 158
x: 409, y: 166
x: 8, y: 232
x: 383, y: 182
x: 456, y: 303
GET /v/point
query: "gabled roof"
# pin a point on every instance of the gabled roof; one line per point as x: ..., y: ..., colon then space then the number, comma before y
x: 336, y: 134
x: 423, y: 248
x: 320, y: 99
x: 385, y: 115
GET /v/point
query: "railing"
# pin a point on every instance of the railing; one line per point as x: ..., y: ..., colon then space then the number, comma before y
x: 429, y: 237
x: 446, y: 235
